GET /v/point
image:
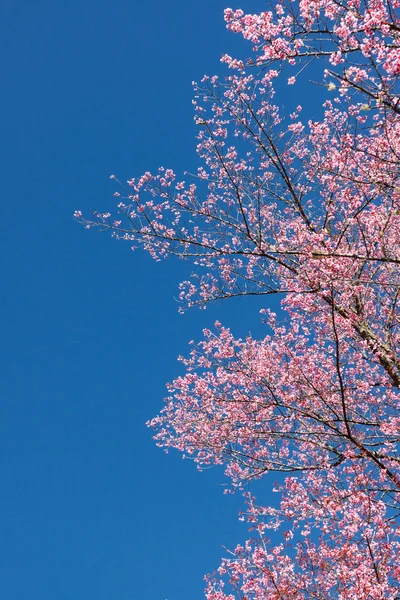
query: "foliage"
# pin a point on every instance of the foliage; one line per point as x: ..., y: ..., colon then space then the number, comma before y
x: 310, y: 211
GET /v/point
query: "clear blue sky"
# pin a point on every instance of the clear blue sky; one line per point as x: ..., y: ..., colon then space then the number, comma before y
x: 90, y: 508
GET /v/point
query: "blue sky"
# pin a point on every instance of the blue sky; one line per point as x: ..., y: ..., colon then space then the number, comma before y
x: 91, y: 509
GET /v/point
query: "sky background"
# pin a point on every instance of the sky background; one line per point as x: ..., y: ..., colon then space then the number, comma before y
x: 90, y: 508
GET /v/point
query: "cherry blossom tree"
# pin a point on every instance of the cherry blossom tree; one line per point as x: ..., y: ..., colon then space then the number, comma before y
x: 309, y: 211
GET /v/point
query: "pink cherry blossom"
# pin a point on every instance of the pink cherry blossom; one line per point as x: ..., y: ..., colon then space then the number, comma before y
x: 309, y: 211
